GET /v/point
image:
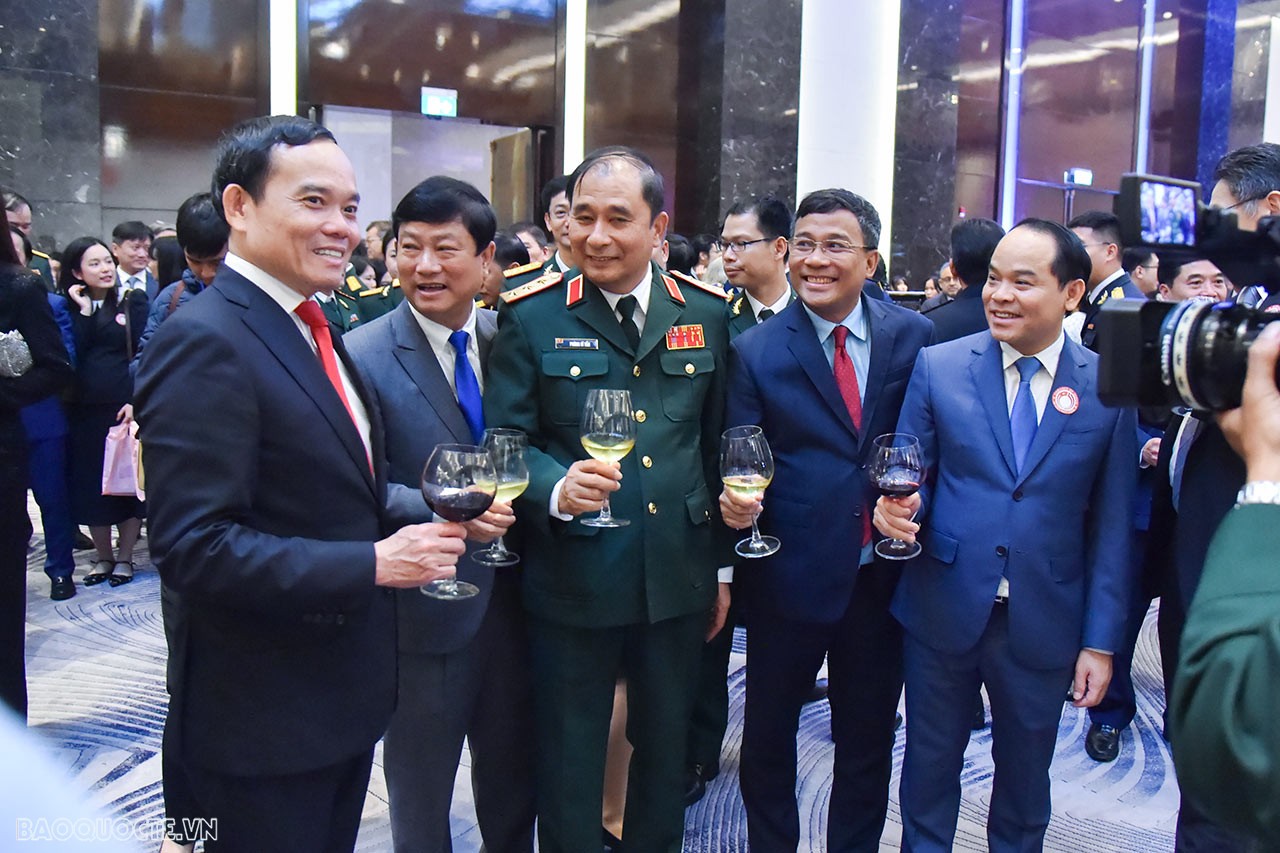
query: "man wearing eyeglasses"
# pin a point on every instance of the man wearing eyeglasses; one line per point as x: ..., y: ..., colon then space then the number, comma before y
x: 822, y: 378
x: 1100, y: 233
x: 1143, y: 268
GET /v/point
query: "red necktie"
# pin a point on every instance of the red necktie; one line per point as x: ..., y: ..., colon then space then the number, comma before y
x: 313, y: 315
x: 847, y: 382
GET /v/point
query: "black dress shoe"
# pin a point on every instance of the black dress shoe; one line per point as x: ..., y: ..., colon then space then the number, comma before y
x: 695, y: 782
x: 60, y: 589
x: 1102, y: 742
x: 818, y: 693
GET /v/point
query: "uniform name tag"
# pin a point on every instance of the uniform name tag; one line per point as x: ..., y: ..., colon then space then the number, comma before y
x: 685, y: 337
x: 577, y: 343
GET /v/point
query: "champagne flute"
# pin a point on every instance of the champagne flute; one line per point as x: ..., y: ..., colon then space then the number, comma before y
x: 746, y: 469
x: 608, y: 434
x: 897, y: 472
x: 459, y: 484
x: 507, y: 447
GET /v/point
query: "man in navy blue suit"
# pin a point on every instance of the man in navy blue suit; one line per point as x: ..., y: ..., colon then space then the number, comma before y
x: 822, y: 378
x: 1026, y: 513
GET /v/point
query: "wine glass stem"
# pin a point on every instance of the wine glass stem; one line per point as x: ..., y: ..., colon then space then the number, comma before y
x: 449, y: 586
x: 755, y: 531
x: 498, y: 548
x: 606, y: 514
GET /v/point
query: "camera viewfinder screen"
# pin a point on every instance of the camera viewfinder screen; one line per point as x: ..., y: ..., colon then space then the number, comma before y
x: 1168, y: 214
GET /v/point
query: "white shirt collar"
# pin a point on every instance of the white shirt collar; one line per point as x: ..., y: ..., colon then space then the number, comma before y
x: 640, y: 292
x: 1104, y: 284
x: 1048, y: 357
x: 438, y: 334
x: 560, y: 264
x: 757, y: 306
x: 282, y: 294
x: 856, y: 323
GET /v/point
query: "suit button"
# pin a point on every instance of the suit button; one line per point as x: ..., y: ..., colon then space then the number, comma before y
x: 646, y: 461
x: 1017, y: 494
x: 575, y: 371
x: 1002, y: 551
x: 340, y: 619
x: 653, y: 508
x: 635, y: 371
x: 640, y: 416
x: 689, y: 368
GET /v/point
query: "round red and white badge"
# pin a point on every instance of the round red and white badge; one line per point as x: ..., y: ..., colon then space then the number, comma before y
x: 1066, y: 400
x: 120, y: 320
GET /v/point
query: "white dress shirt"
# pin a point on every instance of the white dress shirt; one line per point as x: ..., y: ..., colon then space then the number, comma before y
x: 446, y: 355
x: 757, y: 306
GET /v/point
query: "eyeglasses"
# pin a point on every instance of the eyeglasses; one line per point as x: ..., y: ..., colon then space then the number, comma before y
x: 1244, y: 202
x: 740, y: 246
x: 1091, y: 245
x: 830, y: 248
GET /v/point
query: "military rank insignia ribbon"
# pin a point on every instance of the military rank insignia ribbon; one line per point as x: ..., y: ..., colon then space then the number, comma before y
x: 686, y: 337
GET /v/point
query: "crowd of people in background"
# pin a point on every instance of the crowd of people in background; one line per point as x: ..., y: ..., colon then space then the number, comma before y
x: 1036, y: 572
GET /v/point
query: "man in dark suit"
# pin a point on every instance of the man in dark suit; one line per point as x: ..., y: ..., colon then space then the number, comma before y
x: 1099, y: 231
x: 972, y: 242
x: 948, y: 287
x: 131, y: 246
x: 266, y: 491
x: 463, y: 665
x: 822, y: 379
x: 633, y: 601
x: 1025, y: 576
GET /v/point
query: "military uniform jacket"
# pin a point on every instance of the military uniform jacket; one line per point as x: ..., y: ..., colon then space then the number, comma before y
x: 556, y: 341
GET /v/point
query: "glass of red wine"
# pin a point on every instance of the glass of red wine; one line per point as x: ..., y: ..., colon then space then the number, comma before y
x: 459, y: 484
x: 897, y: 471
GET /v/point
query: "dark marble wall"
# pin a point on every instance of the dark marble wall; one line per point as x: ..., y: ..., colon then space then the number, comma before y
x: 1249, y: 74
x: 49, y: 139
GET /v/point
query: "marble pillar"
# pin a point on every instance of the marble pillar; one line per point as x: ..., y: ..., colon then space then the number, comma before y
x: 50, y: 148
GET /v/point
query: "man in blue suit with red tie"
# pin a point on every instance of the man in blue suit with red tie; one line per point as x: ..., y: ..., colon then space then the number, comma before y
x: 822, y: 378
x: 1024, y: 518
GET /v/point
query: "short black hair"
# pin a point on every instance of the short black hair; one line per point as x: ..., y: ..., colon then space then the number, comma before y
x: 1134, y: 257
x: 13, y: 201
x: 1251, y: 173
x: 509, y: 249
x: 440, y: 199
x: 1172, y: 262
x: 972, y: 242
x: 533, y: 229
x: 243, y: 156
x: 680, y: 254
x: 831, y: 200
x: 359, y: 265
x: 202, y: 232
x: 651, y: 187
x: 131, y: 230
x: 170, y: 263
x: 703, y: 243
x: 1070, y: 260
x: 772, y: 214
x: 550, y: 190
x: 1105, y: 223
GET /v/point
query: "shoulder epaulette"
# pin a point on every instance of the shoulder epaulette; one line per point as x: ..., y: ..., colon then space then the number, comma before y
x: 673, y: 289
x: 527, y: 268
x: 40, y: 254
x: 737, y: 305
x: 536, y: 286
x: 354, y: 284
x: 719, y: 292
x: 395, y: 284
x: 376, y: 291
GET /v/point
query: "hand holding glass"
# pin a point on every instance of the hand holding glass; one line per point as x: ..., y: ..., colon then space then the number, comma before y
x: 459, y: 484
x: 746, y: 468
x: 897, y: 471
x: 507, y: 447
x: 608, y: 434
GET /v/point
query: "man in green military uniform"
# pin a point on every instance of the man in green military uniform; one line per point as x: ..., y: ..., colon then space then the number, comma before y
x: 340, y: 309
x: 19, y: 211
x: 633, y: 601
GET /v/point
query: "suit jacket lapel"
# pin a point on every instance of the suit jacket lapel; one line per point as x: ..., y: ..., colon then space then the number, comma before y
x: 486, y: 329
x: 986, y: 369
x: 1071, y: 374
x: 662, y: 315
x: 414, y: 353
x: 594, y: 310
x: 807, y: 351
x: 883, y: 333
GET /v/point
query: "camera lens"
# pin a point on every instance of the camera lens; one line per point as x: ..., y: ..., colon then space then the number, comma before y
x: 1204, y: 349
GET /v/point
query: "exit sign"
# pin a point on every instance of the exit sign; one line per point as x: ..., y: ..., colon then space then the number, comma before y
x: 439, y: 102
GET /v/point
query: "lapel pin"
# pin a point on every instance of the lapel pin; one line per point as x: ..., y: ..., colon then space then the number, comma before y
x: 1065, y: 400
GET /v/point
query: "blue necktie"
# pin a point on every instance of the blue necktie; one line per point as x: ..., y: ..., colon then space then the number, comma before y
x: 467, y: 386
x: 1022, y: 420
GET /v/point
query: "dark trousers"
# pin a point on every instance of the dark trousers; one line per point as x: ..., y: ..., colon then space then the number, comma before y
x: 1120, y: 703
x: 864, y: 660
x: 481, y: 692
x: 15, y: 533
x: 47, y: 469
x: 710, y: 716
x: 576, y: 670
x: 1026, y: 707
x: 313, y: 812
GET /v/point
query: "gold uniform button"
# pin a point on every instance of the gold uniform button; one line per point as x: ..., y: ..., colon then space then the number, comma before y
x: 575, y: 371
x: 646, y: 461
x: 689, y: 368
x: 640, y: 416
x: 635, y: 371
x: 653, y: 509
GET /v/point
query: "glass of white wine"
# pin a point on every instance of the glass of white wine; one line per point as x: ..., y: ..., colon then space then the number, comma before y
x: 507, y: 447
x: 746, y: 469
x: 608, y: 434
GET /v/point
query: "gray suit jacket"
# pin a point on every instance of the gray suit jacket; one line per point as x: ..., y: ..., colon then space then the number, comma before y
x: 419, y: 411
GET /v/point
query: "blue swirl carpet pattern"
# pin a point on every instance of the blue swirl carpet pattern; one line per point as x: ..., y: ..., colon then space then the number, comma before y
x: 96, y: 683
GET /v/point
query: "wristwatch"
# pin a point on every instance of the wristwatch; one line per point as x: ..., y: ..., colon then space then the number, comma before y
x: 1259, y: 492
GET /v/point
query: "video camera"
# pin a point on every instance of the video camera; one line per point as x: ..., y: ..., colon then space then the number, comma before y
x: 1189, y: 353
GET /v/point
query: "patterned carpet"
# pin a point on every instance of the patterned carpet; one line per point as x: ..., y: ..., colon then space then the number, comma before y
x: 96, y: 676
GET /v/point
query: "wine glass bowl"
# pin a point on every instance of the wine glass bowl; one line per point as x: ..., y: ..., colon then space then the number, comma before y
x: 507, y: 448
x: 746, y: 469
x: 897, y: 471
x: 608, y: 432
x: 459, y: 484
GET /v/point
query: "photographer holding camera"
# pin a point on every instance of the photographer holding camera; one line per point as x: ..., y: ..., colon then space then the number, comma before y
x: 1224, y: 726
